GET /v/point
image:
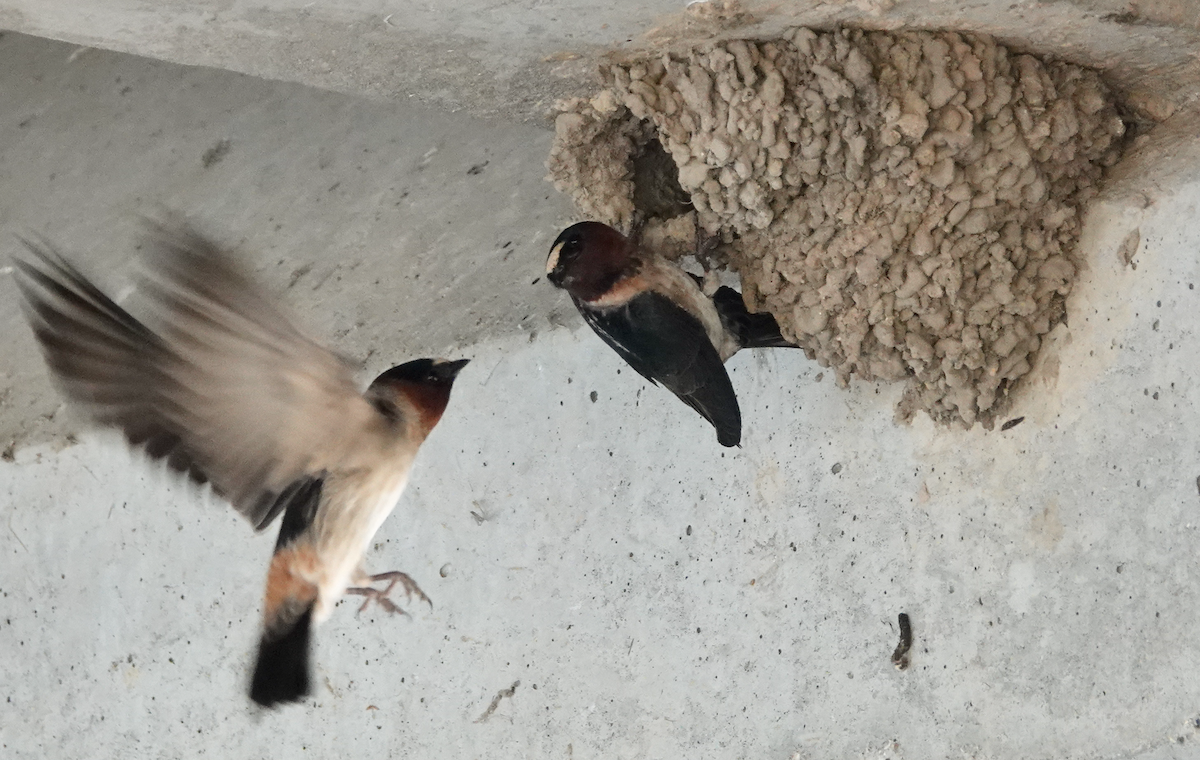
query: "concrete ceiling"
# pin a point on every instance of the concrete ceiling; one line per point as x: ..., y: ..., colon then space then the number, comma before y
x: 513, y: 58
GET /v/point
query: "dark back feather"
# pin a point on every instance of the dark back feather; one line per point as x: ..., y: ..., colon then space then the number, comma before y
x: 667, y: 345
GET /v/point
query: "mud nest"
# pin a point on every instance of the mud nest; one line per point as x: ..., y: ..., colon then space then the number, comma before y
x: 906, y: 205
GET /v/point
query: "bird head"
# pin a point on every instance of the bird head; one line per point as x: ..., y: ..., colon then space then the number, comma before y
x: 587, y: 258
x: 422, y: 385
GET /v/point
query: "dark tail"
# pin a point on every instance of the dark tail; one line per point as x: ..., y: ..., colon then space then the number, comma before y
x: 752, y: 330
x: 281, y: 673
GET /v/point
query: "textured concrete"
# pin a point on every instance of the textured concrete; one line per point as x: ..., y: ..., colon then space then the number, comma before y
x: 654, y: 595
x: 514, y: 57
x: 384, y: 225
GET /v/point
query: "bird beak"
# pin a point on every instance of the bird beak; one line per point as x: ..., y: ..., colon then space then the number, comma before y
x: 448, y: 370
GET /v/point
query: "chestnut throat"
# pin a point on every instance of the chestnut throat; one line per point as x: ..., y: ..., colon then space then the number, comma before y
x: 599, y: 276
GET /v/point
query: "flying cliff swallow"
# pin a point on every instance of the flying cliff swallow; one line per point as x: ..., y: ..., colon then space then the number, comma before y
x: 656, y: 317
x: 220, y: 384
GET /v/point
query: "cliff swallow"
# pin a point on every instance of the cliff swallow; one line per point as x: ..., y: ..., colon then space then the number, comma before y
x: 656, y: 317
x: 223, y: 387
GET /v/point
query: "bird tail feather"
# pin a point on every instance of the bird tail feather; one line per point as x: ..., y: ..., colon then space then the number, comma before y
x: 752, y: 330
x: 281, y: 673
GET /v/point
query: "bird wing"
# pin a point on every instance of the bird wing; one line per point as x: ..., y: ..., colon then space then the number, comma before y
x: 224, y: 388
x: 667, y: 345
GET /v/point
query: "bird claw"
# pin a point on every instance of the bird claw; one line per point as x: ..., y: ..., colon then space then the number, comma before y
x: 706, y: 244
x: 380, y: 596
x: 637, y: 225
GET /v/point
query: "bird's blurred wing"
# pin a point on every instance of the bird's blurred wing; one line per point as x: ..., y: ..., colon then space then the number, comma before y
x: 223, y: 387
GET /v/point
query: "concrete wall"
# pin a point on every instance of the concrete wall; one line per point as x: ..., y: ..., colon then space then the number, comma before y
x: 1049, y: 570
x: 331, y: 196
x: 515, y: 57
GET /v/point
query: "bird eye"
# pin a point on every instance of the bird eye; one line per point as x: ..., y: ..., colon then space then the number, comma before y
x: 571, y: 247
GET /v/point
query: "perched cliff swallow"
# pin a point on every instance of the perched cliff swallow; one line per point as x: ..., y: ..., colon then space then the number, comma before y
x: 220, y: 384
x: 656, y: 317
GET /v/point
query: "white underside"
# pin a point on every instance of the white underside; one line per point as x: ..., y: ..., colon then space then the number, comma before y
x: 342, y: 550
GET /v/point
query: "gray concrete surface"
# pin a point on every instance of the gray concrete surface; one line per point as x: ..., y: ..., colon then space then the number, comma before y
x: 514, y: 57
x: 654, y: 595
x: 331, y: 196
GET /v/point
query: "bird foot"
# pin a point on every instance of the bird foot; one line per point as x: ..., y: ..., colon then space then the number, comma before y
x: 380, y: 596
x: 637, y: 225
x: 706, y: 245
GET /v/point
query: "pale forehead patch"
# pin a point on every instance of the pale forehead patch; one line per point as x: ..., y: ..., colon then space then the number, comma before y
x: 552, y: 261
